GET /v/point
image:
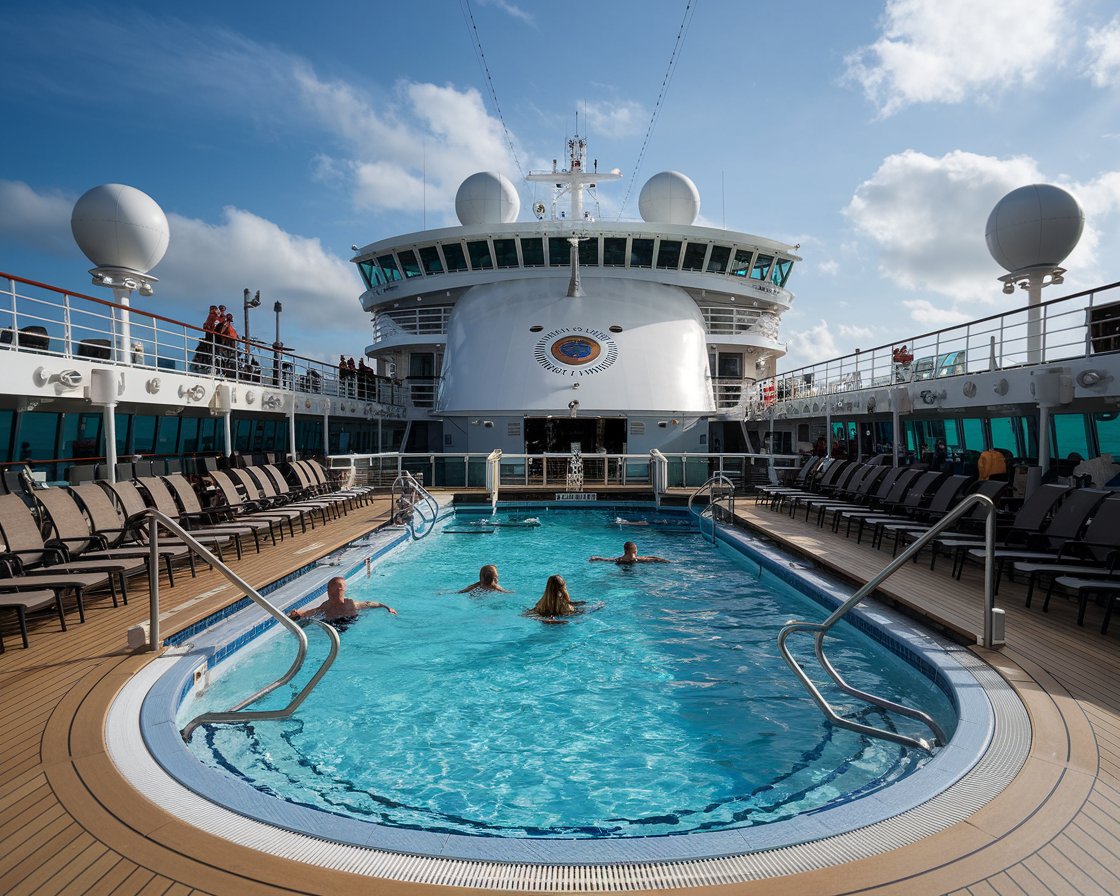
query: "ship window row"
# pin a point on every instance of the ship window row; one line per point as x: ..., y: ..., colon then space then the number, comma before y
x: 504, y: 253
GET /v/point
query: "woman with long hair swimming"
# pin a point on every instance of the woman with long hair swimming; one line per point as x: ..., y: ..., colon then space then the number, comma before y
x: 555, y: 601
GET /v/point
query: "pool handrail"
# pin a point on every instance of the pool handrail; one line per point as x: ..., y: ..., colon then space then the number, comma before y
x: 822, y: 628
x: 494, y: 477
x: 726, y: 492
x: 658, y: 474
x: 154, y: 520
x: 418, y: 501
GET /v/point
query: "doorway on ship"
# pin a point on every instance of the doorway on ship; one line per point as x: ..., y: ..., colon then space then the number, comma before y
x: 560, y: 435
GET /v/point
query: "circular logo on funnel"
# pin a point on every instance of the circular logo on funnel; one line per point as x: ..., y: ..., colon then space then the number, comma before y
x: 576, y: 350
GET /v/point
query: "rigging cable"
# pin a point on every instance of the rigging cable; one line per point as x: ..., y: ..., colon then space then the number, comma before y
x: 686, y: 20
x: 476, y: 43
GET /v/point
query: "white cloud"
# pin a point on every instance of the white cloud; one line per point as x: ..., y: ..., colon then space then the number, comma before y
x: 616, y: 120
x: 934, y: 316
x: 1103, y: 48
x: 41, y: 221
x: 511, y: 9
x: 946, y: 51
x: 808, y: 345
x: 855, y: 333
x: 318, y: 289
x: 927, y: 216
x: 829, y: 267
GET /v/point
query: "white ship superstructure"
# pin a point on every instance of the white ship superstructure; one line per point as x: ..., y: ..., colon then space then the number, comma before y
x: 566, y: 331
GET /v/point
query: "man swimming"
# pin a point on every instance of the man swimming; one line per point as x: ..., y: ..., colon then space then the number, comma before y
x: 629, y: 556
x: 338, y: 607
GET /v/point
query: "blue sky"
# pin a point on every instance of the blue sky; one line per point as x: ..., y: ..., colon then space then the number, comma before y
x: 878, y: 135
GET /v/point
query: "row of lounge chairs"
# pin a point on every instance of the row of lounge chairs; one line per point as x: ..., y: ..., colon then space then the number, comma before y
x: 1066, y: 538
x: 97, y: 532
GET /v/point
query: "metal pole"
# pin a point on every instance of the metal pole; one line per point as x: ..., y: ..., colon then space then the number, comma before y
x: 1034, y: 319
x: 989, y: 576
x: 292, y: 431
x: 1043, y: 439
x: 277, y: 346
x: 226, y: 432
x: 109, y: 415
x: 153, y: 585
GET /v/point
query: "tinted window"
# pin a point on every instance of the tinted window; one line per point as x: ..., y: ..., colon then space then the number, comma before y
x: 717, y: 261
x: 454, y: 256
x: 614, y: 251
x: 409, y: 263
x: 1069, y: 436
x: 479, y: 251
x: 761, y: 266
x: 669, y: 254
x: 694, y: 256
x: 505, y: 253
x: 532, y: 252
x: 429, y: 257
x: 641, y: 253
x: 780, y: 274
x: 742, y: 264
x: 589, y: 252
x: 389, y: 267
x: 1108, y: 433
x: 559, y: 251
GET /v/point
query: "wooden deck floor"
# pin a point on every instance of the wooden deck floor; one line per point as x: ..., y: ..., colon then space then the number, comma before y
x: 69, y: 825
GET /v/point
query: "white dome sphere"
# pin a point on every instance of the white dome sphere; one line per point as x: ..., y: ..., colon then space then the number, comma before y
x: 1034, y: 225
x: 118, y: 226
x: 669, y: 198
x: 487, y: 198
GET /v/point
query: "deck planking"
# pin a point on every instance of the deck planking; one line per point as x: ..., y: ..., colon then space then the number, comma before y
x: 68, y: 825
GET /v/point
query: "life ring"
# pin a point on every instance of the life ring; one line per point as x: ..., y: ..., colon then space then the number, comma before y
x: 768, y: 394
x: 901, y: 356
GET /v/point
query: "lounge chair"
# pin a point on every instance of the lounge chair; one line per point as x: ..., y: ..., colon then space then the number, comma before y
x: 989, y: 488
x: 908, y: 491
x: 1082, y: 587
x: 318, y: 472
x: 246, y: 509
x: 1044, y: 545
x: 872, y: 498
x: 855, y: 494
x: 943, y: 498
x: 24, y: 602
x: 195, y: 520
x: 258, y: 489
x: 820, y: 484
x: 797, y: 481
x: 272, y: 479
x: 1031, y: 517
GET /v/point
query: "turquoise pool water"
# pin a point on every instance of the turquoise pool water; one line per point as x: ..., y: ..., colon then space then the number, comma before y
x: 666, y: 709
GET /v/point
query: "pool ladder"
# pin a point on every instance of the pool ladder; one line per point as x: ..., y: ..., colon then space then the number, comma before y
x: 154, y: 521
x: 411, y: 499
x: 721, y: 500
x: 820, y: 629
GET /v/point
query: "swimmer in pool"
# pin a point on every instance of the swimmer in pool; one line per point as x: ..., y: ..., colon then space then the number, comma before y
x: 338, y: 607
x: 630, y: 556
x: 555, y: 602
x: 487, y: 581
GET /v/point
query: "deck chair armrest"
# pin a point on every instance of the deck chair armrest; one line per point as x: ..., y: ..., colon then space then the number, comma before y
x: 11, y: 565
x: 46, y: 551
x: 96, y: 540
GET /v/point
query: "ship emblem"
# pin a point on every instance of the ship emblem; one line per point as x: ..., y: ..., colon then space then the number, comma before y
x: 575, y: 351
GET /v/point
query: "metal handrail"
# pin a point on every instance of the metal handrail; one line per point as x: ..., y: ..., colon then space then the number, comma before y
x: 728, y: 493
x: 821, y: 629
x: 419, y: 502
x: 658, y: 475
x: 155, y: 519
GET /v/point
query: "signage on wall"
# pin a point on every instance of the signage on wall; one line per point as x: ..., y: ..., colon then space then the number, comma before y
x: 575, y: 351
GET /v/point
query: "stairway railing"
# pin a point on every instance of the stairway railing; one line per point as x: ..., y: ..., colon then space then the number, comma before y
x: 410, y: 499
x: 721, y: 495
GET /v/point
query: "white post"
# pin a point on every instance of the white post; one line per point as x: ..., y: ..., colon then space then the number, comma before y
x: 326, y: 428
x: 109, y: 414
x: 103, y: 391
x: 1034, y: 318
x: 1043, y: 439
x: 124, y: 348
x: 292, y: 431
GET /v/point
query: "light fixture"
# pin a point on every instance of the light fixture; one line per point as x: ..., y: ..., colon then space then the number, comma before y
x: 488, y: 424
x: 153, y: 385
x: 1089, y: 378
x: 64, y: 379
x: 969, y: 389
x: 1001, y: 387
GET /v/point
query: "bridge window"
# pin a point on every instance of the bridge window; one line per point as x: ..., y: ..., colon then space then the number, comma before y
x: 1070, y: 435
x: 641, y: 253
x: 589, y: 252
x: 505, y: 253
x: 480, y: 255
x: 614, y: 251
x: 717, y: 261
x: 371, y: 274
x: 454, y: 256
x: 559, y: 251
x: 741, y: 266
x: 409, y: 264
x: 761, y: 266
x: 429, y: 256
x: 780, y: 274
x: 532, y: 252
x: 1107, y: 426
x: 389, y: 268
x: 669, y: 254
x: 694, y: 257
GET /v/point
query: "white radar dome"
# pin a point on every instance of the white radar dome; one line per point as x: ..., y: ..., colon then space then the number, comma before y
x: 487, y: 198
x: 120, y: 227
x: 669, y: 198
x: 1033, y: 226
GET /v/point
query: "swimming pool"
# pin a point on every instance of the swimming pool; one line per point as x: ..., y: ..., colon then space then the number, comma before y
x: 653, y: 715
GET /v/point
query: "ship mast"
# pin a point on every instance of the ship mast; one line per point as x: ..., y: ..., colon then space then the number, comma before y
x: 575, y: 178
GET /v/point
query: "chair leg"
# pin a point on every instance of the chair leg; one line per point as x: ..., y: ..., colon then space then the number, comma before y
x: 1108, y: 613
x: 170, y: 573
x: 61, y: 610
x: 81, y: 602
x: 22, y: 613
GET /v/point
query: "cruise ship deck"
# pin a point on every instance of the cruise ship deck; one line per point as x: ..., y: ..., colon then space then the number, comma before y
x: 69, y: 824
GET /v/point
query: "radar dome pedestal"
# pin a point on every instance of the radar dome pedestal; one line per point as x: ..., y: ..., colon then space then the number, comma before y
x: 669, y: 198
x: 487, y: 198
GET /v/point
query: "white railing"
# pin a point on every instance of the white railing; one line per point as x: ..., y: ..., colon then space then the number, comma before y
x: 1075, y: 326
x: 35, y: 317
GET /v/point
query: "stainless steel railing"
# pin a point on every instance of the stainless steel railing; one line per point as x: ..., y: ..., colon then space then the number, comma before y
x: 820, y: 629
x: 721, y: 494
x: 238, y: 713
x: 412, y: 500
